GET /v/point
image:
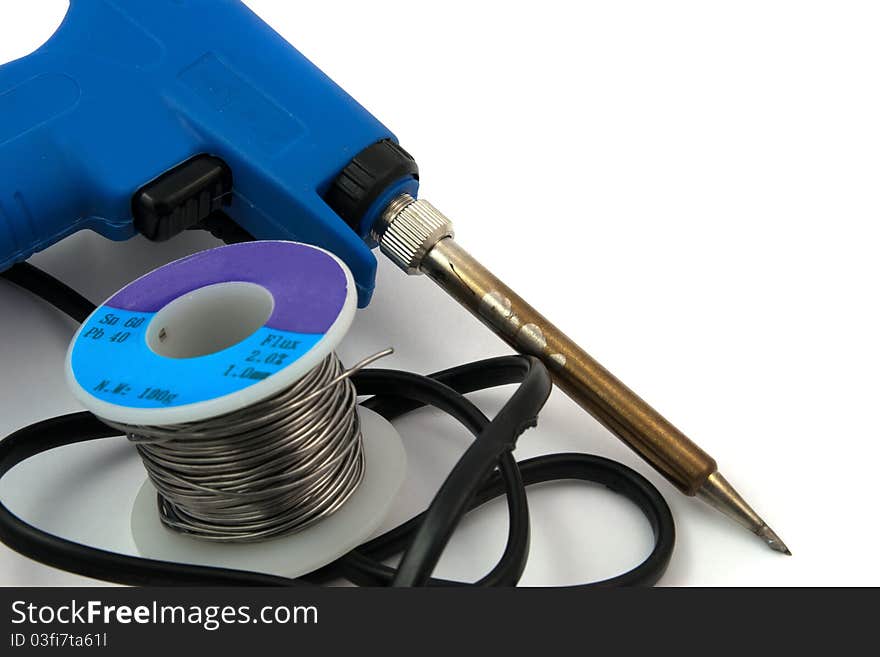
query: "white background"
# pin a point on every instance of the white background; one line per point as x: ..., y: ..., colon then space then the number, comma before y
x: 689, y: 189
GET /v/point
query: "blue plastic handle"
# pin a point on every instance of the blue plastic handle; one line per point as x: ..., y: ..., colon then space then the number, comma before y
x: 127, y: 89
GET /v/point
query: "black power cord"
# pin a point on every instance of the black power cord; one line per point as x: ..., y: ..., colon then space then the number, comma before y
x: 486, y: 471
x: 50, y: 289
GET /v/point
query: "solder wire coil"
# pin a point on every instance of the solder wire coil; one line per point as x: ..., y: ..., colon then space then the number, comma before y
x: 267, y: 470
x: 220, y: 368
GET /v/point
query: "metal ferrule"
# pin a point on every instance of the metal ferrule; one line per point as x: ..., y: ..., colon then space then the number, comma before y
x: 408, y: 229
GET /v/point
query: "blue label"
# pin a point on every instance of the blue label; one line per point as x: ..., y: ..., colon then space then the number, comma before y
x: 112, y: 361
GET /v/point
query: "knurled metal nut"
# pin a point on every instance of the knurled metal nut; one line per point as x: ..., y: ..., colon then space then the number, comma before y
x: 412, y: 232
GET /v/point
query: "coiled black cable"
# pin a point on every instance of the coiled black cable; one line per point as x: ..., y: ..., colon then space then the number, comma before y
x: 50, y: 289
x: 486, y: 471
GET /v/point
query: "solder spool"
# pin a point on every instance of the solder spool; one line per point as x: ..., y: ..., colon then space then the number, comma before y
x: 214, y: 333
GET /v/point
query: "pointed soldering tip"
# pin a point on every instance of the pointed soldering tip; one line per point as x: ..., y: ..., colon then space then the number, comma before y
x: 772, y: 539
x: 718, y: 492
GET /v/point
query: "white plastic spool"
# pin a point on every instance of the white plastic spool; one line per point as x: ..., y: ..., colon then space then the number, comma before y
x: 214, y: 333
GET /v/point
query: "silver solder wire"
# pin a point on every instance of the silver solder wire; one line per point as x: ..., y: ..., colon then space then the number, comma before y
x: 266, y: 470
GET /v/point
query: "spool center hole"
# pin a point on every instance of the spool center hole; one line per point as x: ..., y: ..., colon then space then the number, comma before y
x: 209, y: 320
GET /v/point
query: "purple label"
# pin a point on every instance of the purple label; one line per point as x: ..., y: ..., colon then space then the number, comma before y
x: 308, y: 285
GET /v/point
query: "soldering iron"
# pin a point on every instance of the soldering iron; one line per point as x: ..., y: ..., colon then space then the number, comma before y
x: 154, y: 117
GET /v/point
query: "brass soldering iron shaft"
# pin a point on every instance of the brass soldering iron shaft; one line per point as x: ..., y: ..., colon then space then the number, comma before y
x: 419, y: 239
x: 577, y: 373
